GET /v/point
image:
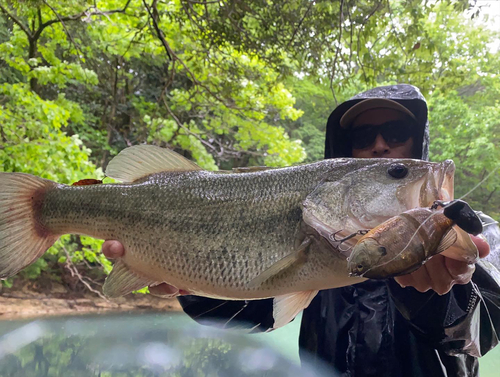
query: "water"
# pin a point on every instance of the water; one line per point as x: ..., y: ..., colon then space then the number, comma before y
x: 154, y: 345
x: 489, y: 365
x: 167, y: 344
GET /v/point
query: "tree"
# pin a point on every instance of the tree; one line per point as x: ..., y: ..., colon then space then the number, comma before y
x: 232, y: 83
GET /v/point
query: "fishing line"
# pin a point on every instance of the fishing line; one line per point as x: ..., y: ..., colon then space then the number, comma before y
x: 209, y: 310
x: 432, y: 215
x: 489, y: 224
x: 480, y: 183
x: 235, y: 314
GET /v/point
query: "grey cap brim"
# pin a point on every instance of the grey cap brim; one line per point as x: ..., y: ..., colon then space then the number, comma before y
x: 372, y: 103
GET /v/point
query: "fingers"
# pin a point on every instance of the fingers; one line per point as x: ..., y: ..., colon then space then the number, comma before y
x: 441, y: 281
x: 165, y: 290
x: 482, y: 245
x: 461, y: 272
x: 420, y: 279
x: 113, y: 249
x: 439, y: 274
x: 404, y: 280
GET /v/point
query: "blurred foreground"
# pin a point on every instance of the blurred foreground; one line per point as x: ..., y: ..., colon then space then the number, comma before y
x: 166, y: 344
x: 140, y: 345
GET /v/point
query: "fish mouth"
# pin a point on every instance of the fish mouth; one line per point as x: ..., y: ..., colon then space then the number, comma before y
x: 438, y: 185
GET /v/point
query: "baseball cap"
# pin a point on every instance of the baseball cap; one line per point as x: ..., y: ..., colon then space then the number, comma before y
x: 372, y: 103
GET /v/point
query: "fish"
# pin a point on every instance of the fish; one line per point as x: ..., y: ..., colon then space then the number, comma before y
x: 405, y: 242
x: 264, y: 233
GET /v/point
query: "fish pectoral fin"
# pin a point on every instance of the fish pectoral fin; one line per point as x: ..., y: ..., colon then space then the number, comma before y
x: 463, y: 249
x: 140, y: 161
x: 448, y: 239
x: 122, y: 281
x: 286, y: 307
x: 299, y: 255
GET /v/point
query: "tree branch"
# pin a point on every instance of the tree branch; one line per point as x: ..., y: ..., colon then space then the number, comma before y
x: 490, y: 195
x: 40, y: 20
x: 153, y: 13
x: 203, y: 2
x: 223, y: 150
x: 75, y: 17
x: 394, y: 32
x: 300, y: 23
x: 74, y: 272
x: 339, y: 45
x: 179, y: 123
x: 17, y: 22
x: 375, y: 9
x: 63, y: 25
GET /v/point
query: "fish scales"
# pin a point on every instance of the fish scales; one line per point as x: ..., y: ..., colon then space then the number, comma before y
x: 198, y: 228
x: 250, y: 235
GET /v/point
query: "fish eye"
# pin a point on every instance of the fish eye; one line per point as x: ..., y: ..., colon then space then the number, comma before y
x: 398, y: 171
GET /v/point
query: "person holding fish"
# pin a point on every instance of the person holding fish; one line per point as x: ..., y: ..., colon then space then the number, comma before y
x: 260, y: 245
x: 435, y: 321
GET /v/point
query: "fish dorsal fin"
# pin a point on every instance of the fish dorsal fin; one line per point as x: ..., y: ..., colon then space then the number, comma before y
x: 448, y: 239
x: 282, y: 264
x: 142, y: 160
x: 122, y: 281
x: 286, y: 307
x: 464, y: 249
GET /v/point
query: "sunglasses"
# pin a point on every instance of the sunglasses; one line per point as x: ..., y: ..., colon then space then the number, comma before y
x: 394, y: 132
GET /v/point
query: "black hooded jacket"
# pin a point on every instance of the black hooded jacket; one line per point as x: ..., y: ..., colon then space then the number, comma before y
x: 377, y: 328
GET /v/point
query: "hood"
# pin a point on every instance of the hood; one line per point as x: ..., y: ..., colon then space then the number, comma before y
x: 337, y: 143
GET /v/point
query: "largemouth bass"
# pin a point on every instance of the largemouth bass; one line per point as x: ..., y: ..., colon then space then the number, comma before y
x: 234, y: 236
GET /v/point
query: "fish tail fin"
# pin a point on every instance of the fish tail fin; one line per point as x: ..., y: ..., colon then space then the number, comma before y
x: 23, y: 238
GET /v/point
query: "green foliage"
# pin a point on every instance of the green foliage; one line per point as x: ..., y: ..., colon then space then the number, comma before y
x: 34, y: 142
x: 232, y: 84
x: 60, y: 99
x: 467, y: 130
x: 438, y: 48
x: 314, y: 98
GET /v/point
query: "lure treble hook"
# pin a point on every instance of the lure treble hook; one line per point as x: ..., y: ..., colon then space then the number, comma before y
x: 340, y: 241
x: 439, y: 203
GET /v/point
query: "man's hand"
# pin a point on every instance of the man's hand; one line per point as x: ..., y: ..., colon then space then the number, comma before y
x: 114, y: 249
x: 441, y: 273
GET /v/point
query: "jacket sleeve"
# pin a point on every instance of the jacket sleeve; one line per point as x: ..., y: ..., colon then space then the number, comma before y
x: 467, y: 319
x: 254, y: 315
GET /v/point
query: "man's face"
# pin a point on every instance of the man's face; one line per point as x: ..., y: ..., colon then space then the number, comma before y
x: 381, y: 148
